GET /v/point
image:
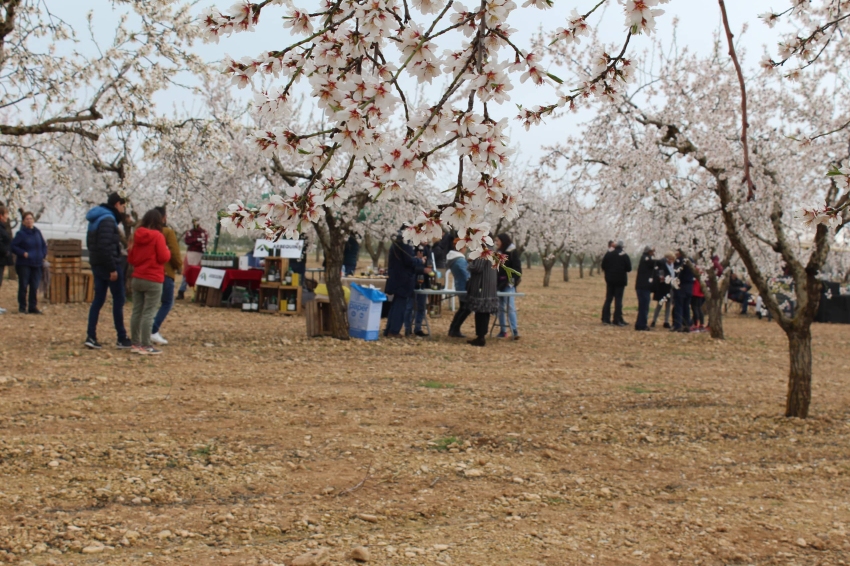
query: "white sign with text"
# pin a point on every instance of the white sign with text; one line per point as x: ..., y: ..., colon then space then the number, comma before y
x: 288, y: 248
x: 209, y: 277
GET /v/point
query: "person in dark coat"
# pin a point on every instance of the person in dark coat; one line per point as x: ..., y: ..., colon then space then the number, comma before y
x: 481, y: 297
x: 350, y: 255
x: 106, y: 258
x: 5, y: 247
x: 616, y: 264
x: 682, y: 293
x: 643, y: 287
x: 402, y: 268
x: 661, y: 289
x: 30, y: 250
x: 299, y: 265
x: 414, y: 314
x: 739, y: 291
x: 456, y: 262
x: 442, y: 248
x: 505, y: 284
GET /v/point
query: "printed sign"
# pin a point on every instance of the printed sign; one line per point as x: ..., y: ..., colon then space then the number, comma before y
x: 209, y: 277
x: 288, y: 248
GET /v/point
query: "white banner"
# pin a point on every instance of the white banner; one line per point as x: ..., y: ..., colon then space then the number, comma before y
x: 209, y: 277
x: 288, y: 248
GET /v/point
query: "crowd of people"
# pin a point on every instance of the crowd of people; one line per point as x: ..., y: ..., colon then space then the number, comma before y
x: 412, y: 268
x: 673, y: 281
x: 152, y: 255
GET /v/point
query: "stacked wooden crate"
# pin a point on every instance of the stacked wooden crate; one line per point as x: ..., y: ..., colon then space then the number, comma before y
x: 68, y: 282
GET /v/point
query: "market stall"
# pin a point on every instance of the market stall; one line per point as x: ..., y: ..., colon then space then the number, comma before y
x: 214, y: 283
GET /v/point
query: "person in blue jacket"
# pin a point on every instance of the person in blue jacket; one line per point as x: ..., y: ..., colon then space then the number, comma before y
x: 104, y: 243
x: 683, y: 295
x: 31, y: 250
x: 350, y: 255
x: 403, y: 267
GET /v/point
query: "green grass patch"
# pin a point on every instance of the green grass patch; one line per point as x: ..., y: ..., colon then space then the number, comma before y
x: 434, y: 384
x: 443, y: 444
x: 640, y: 388
x: 87, y: 398
x: 202, y: 451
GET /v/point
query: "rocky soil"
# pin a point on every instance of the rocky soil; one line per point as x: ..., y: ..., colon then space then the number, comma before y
x: 246, y: 443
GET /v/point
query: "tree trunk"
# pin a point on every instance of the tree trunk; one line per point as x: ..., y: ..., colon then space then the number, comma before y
x: 373, y: 251
x: 318, y: 249
x: 528, y: 260
x: 548, y: 264
x: 580, y: 266
x: 565, y: 259
x: 333, y: 235
x: 800, y: 374
x: 715, y: 299
x: 382, y: 251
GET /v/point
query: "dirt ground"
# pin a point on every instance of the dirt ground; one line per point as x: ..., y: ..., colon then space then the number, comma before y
x: 247, y: 443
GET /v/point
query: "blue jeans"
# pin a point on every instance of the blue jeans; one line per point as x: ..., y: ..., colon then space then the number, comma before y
x: 101, y: 285
x: 395, y: 318
x: 165, y: 305
x: 682, y: 310
x: 644, y: 299
x: 29, y: 278
x: 414, y: 309
x: 507, y: 305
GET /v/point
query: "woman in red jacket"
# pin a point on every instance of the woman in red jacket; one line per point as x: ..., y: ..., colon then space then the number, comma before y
x: 697, y: 301
x: 148, y: 255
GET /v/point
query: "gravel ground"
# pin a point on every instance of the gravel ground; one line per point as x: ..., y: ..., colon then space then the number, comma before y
x: 246, y: 443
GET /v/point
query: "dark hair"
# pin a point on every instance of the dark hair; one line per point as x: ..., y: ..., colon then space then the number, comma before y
x: 25, y: 214
x: 152, y: 220
x: 504, y: 242
x: 2, y: 210
x: 161, y: 210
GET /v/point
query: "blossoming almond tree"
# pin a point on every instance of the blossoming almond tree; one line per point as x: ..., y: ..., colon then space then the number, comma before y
x: 686, y: 123
x: 66, y: 102
x: 360, y: 60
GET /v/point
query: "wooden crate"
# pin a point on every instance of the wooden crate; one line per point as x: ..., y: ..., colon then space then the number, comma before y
x: 64, y: 248
x: 89, y: 285
x: 77, y: 287
x: 58, y: 290
x: 318, y: 317
x: 65, y: 264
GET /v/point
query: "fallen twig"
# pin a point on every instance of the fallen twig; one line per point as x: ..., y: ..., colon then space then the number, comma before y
x: 359, y: 485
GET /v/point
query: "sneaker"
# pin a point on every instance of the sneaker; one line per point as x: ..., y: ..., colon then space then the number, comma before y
x: 151, y: 351
x: 22, y: 311
x: 416, y: 332
x: 158, y: 339
x: 502, y: 334
x: 516, y: 337
x: 136, y: 349
x: 92, y: 343
x: 124, y: 344
x: 35, y: 311
x: 666, y: 325
x: 181, y: 295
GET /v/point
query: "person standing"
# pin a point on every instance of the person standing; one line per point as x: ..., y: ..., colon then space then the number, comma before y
x: 508, y: 284
x: 616, y: 264
x: 172, y: 267
x: 148, y: 256
x: 414, y: 314
x: 481, y: 297
x: 697, y: 301
x: 350, y: 255
x: 103, y: 240
x: 456, y: 263
x: 683, y: 291
x: 643, y: 287
x: 299, y: 265
x: 664, y: 273
x: 402, y: 268
x: 5, y: 247
x: 196, y: 241
x: 739, y: 291
x: 31, y: 250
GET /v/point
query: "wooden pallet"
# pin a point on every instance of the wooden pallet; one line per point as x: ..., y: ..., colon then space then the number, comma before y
x: 65, y: 264
x: 64, y: 248
x: 77, y: 287
x: 58, y: 290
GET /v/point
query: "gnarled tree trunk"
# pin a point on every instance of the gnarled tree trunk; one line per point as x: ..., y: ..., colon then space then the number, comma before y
x: 565, y: 260
x: 580, y: 258
x: 548, y: 264
x: 374, y: 251
x: 527, y: 260
x: 800, y: 375
x: 332, y: 235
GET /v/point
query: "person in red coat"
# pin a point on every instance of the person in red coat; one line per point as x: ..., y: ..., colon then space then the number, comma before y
x: 148, y: 256
x: 697, y: 302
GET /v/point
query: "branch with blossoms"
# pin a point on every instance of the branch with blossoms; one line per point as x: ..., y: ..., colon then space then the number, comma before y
x: 342, y: 55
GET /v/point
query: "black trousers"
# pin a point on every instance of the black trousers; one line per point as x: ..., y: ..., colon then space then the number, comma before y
x: 482, y: 321
x: 482, y: 324
x: 615, y: 293
x: 459, y: 318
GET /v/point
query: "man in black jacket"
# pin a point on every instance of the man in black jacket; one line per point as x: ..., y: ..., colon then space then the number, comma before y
x: 643, y: 287
x: 616, y: 264
x: 104, y: 243
x: 5, y: 246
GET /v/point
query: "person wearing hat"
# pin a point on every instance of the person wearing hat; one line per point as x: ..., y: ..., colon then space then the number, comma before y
x: 196, y: 244
x: 616, y: 264
x: 104, y: 244
x: 643, y: 287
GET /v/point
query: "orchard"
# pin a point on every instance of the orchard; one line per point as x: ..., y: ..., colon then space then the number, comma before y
x: 424, y: 282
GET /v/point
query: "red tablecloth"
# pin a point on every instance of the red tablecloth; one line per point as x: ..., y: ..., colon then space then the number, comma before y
x: 191, y: 272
